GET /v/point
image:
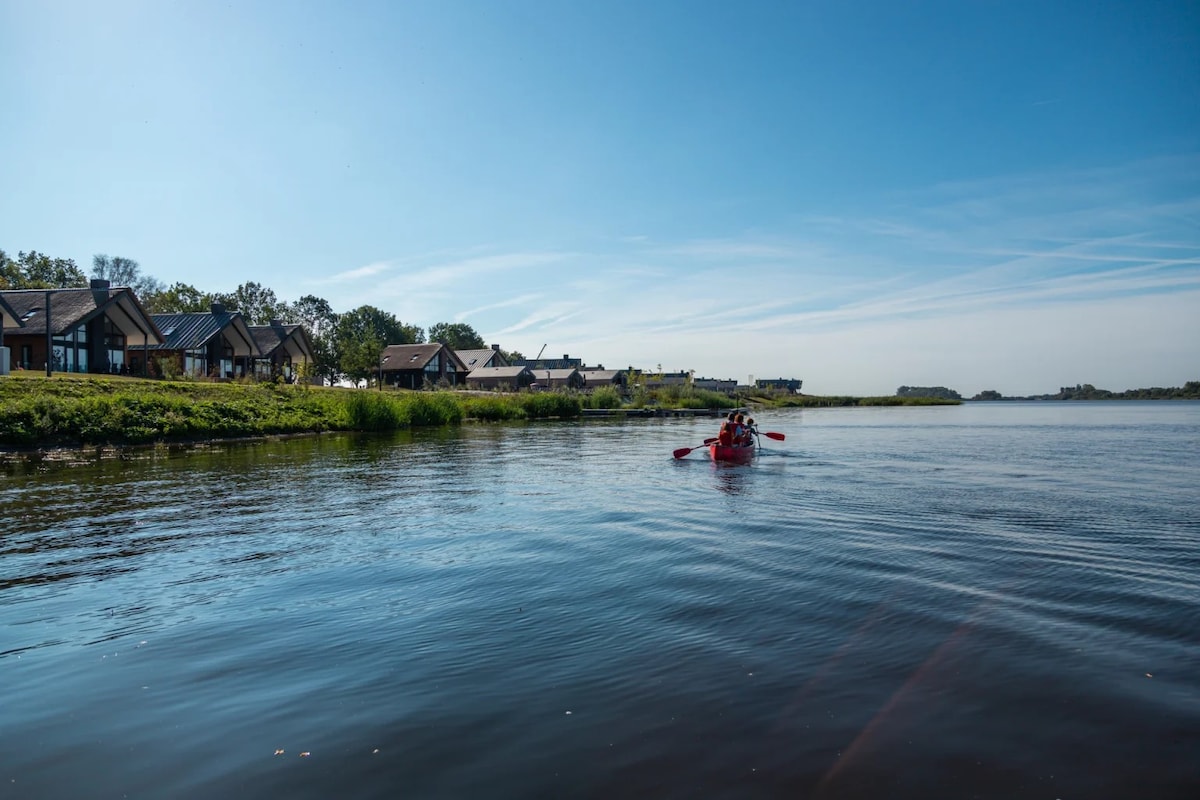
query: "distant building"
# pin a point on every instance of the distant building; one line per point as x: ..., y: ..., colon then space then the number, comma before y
x: 535, y: 364
x: 509, y: 379
x: 789, y: 385
x: 97, y: 329
x: 474, y: 359
x: 282, y: 348
x: 413, y: 366
x: 594, y: 378
x: 559, y: 378
x: 726, y: 385
x: 215, y: 343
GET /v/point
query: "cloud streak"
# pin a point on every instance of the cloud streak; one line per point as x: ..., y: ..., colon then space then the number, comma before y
x: 883, y: 286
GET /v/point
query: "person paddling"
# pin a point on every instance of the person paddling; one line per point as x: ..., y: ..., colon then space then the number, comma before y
x: 741, y: 436
x: 728, y: 432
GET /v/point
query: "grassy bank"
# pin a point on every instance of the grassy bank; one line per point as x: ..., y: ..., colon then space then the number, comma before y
x: 67, y: 410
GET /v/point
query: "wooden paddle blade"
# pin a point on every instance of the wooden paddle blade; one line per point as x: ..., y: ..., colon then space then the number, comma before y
x: 779, y: 437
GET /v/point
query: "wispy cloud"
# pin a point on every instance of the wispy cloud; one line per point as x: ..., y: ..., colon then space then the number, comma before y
x: 368, y: 271
x: 520, y: 300
x: 923, y: 281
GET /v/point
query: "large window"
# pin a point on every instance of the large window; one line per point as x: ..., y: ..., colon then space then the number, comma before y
x: 69, y: 352
x: 114, y: 346
x: 226, y: 362
x: 195, y: 363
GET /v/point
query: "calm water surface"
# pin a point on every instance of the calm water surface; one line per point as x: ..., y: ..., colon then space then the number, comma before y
x: 995, y: 600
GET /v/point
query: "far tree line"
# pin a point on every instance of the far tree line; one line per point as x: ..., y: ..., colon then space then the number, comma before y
x: 345, y: 345
x: 1086, y: 391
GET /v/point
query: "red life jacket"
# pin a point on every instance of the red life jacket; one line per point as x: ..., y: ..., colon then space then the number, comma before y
x: 725, y: 437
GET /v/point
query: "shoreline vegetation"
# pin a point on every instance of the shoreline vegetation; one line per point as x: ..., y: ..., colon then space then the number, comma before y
x: 69, y: 411
x: 65, y: 411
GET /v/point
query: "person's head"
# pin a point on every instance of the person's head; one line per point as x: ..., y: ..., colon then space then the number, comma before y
x: 732, y: 417
x: 750, y: 421
x: 741, y: 418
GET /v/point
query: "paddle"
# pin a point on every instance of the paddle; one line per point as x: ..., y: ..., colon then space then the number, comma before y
x: 683, y: 451
x: 779, y: 437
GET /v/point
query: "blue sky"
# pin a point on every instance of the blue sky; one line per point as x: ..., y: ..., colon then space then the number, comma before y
x: 980, y: 195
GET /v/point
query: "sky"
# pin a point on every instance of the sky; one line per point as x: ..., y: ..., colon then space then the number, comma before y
x: 973, y: 194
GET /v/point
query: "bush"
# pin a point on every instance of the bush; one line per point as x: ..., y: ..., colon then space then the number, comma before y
x: 604, y: 397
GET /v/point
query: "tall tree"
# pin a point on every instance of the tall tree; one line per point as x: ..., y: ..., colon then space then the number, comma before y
x: 319, y: 320
x: 121, y: 271
x: 178, y: 298
x: 9, y: 272
x: 34, y: 270
x: 456, y: 336
x: 361, y: 335
x: 258, y: 304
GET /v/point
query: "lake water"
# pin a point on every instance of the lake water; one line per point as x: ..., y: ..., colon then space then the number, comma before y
x: 989, y: 600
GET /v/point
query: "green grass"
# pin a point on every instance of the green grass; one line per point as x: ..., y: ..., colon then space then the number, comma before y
x: 67, y: 410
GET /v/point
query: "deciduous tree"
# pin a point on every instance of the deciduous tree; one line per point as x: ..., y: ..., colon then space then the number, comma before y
x: 362, y: 334
x: 178, y: 298
x: 34, y: 270
x: 456, y: 336
x: 120, y: 271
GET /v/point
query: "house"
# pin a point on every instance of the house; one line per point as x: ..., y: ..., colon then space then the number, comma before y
x: 726, y: 385
x: 593, y: 378
x: 667, y: 378
x: 215, y: 343
x: 500, y: 378
x: 789, y: 385
x: 559, y: 378
x: 97, y: 329
x: 537, y: 364
x: 282, y: 348
x: 413, y: 366
x: 474, y: 359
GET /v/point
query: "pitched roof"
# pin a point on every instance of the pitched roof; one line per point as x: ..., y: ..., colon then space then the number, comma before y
x: 70, y: 308
x: 600, y: 375
x: 556, y: 374
x: 400, y: 357
x: 194, y: 330
x: 293, y: 338
x: 484, y: 373
x: 477, y: 358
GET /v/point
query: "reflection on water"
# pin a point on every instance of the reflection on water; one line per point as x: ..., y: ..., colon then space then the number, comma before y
x: 988, y: 600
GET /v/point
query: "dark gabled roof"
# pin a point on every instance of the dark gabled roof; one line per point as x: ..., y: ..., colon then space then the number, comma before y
x: 70, y: 308
x: 556, y: 374
x: 194, y: 330
x: 266, y: 338
x: 8, y: 317
x: 485, y: 373
x: 473, y: 359
x: 600, y: 375
x: 401, y: 357
x: 292, y: 338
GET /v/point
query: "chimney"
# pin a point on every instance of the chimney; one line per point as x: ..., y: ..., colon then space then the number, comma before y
x: 218, y: 308
x: 99, y: 287
x: 566, y: 356
x: 496, y: 347
x: 276, y: 323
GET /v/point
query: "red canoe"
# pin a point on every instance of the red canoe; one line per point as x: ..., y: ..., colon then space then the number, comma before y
x: 736, y: 455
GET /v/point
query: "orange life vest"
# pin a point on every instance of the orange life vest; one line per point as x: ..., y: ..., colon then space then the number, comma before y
x: 725, y: 437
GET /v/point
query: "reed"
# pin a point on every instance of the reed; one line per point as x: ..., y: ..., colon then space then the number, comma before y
x: 36, y: 411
